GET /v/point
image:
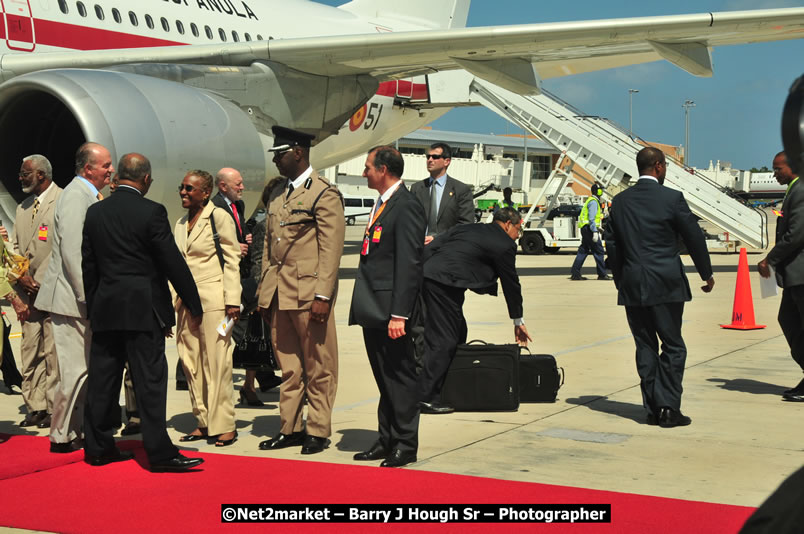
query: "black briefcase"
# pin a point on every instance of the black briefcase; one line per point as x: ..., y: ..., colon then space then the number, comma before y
x: 483, y: 378
x: 539, y: 378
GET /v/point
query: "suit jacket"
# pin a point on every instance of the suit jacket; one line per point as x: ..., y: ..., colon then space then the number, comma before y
x: 457, y: 205
x: 787, y: 255
x: 220, y: 201
x: 303, y: 244
x: 129, y: 255
x: 26, y: 240
x: 473, y: 256
x: 389, y: 276
x: 217, y: 287
x: 62, y: 289
x: 645, y: 222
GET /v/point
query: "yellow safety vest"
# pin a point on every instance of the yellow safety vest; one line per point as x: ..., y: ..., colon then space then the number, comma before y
x: 583, y: 218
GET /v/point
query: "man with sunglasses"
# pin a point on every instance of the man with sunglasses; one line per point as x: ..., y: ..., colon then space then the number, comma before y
x: 446, y: 201
x: 646, y: 221
x: 466, y: 257
x: 304, y: 236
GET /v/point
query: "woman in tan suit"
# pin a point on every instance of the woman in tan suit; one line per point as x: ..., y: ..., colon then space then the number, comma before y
x: 205, y: 353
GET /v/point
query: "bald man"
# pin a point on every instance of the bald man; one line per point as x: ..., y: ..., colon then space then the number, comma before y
x: 229, y: 197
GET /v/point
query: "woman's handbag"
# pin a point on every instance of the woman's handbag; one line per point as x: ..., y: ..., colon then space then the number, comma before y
x: 255, y: 351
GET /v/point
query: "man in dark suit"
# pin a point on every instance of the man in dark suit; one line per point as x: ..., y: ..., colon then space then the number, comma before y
x: 787, y: 258
x: 384, y: 303
x: 450, y: 201
x: 642, y: 242
x: 229, y: 197
x: 472, y: 257
x: 129, y: 255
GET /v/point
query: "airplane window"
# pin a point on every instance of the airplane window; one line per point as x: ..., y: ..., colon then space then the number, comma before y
x: 99, y: 12
x: 208, y: 31
x: 248, y: 37
x: 180, y: 27
x: 116, y: 14
x: 63, y: 6
x: 149, y: 21
x: 165, y: 25
x: 222, y: 34
x: 259, y: 37
x: 133, y: 18
x: 194, y: 29
x: 235, y: 37
x: 81, y: 9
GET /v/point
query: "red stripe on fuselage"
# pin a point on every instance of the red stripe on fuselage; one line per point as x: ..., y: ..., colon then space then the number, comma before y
x: 63, y: 35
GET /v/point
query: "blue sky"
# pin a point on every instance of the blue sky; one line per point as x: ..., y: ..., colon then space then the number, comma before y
x: 738, y: 111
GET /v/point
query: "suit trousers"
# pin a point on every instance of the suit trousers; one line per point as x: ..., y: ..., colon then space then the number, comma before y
x: 791, y: 319
x: 660, y: 373
x: 444, y: 330
x: 394, y: 368
x: 72, y: 337
x: 208, y: 367
x: 144, y: 352
x: 588, y: 246
x: 40, y: 366
x: 307, y: 353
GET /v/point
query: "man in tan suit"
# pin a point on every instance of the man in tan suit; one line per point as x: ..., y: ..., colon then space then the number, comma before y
x: 34, y: 219
x: 303, y: 246
x: 62, y: 293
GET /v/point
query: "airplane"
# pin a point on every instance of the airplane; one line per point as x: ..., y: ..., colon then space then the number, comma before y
x: 199, y: 83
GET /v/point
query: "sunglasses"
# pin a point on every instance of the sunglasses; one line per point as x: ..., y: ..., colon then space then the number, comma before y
x: 435, y: 156
x: 188, y: 188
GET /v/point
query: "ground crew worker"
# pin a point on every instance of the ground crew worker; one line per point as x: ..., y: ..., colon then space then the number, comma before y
x: 589, y: 223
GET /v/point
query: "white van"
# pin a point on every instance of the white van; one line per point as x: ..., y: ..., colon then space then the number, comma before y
x: 357, y: 208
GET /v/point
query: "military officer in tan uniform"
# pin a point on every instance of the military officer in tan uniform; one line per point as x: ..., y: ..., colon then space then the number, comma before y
x: 32, y: 239
x: 303, y: 246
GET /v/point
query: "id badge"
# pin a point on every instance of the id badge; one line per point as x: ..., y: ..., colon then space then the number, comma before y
x: 43, y: 233
x: 364, y: 249
x: 375, y: 238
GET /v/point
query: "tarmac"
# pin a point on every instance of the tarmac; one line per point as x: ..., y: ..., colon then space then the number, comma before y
x: 743, y: 441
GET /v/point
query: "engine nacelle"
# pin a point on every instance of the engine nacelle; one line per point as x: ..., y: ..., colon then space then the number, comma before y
x: 178, y: 127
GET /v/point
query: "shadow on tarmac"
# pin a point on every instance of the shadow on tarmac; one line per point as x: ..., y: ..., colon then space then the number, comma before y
x: 626, y: 410
x: 746, y: 385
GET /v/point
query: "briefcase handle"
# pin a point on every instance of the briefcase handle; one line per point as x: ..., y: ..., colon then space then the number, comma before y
x: 481, y: 342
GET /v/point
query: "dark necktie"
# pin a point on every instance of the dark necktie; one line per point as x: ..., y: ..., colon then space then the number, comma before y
x: 290, y: 190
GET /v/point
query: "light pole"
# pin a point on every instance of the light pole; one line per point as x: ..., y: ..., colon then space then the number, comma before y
x: 687, y: 105
x: 631, y: 110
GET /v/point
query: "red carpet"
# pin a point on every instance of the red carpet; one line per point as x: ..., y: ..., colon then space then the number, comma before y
x: 59, y: 493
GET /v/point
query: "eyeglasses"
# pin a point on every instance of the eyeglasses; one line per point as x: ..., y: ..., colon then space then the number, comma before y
x: 436, y: 156
x: 184, y: 187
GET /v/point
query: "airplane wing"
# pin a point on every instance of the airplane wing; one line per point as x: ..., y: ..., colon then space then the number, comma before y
x: 516, y: 57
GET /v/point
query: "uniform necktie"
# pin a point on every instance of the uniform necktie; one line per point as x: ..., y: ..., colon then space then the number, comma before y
x: 432, y: 221
x: 237, y: 217
x: 290, y: 190
x: 35, y: 208
x: 100, y: 196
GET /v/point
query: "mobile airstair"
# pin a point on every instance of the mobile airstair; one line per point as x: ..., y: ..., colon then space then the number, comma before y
x: 608, y: 153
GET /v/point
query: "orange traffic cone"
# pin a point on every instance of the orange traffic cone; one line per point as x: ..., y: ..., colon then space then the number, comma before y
x: 742, y: 316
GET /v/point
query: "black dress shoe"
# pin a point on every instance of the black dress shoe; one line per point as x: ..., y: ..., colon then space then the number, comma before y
x: 398, y: 458
x: 798, y: 390
x: 177, y: 463
x: 103, y: 459
x: 44, y: 423
x: 578, y: 277
x: 435, y: 408
x: 282, y: 441
x: 669, y: 418
x: 131, y: 429
x: 63, y: 448
x: 793, y: 396
x: 604, y: 277
x: 314, y: 444
x: 33, y: 418
x: 376, y: 452
x: 268, y: 380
